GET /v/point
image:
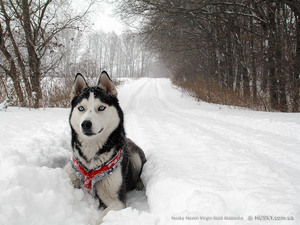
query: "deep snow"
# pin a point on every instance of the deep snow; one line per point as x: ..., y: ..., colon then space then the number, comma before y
x: 207, y: 164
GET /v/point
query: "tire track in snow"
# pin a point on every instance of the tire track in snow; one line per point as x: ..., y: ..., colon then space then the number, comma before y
x: 224, y: 131
x: 222, y: 154
x: 231, y: 132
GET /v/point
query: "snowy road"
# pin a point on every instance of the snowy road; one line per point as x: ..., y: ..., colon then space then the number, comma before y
x: 207, y: 164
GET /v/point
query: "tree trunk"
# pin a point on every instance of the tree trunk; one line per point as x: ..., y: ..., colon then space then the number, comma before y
x: 246, y: 83
x: 253, y: 64
x: 296, y: 74
x: 33, y: 59
x: 281, y: 81
x: 12, y: 72
x: 279, y: 60
x: 273, y: 79
x: 229, y: 62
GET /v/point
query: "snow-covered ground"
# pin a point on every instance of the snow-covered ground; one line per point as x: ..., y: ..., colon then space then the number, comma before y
x: 207, y: 164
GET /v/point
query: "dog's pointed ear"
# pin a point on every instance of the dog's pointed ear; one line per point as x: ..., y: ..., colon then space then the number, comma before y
x: 78, y: 86
x: 107, y: 85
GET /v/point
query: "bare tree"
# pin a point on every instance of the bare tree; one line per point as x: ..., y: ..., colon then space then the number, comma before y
x: 27, y: 34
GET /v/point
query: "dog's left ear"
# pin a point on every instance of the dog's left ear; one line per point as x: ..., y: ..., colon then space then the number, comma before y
x: 107, y: 85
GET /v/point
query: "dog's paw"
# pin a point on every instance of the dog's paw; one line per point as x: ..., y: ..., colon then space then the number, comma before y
x: 99, y: 221
x: 74, y: 178
x: 139, y: 185
x: 114, y: 206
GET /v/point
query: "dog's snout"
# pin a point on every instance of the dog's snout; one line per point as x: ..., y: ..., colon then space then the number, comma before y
x: 86, y: 125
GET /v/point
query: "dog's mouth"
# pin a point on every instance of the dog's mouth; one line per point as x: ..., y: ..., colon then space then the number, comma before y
x: 89, y: 133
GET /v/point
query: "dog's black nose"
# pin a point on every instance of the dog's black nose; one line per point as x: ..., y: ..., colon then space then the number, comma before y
x: 86, y: 125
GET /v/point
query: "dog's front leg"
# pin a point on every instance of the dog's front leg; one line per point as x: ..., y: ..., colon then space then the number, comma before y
x: 114, y: 206
x: 109, y: 191
x: 74, y: 178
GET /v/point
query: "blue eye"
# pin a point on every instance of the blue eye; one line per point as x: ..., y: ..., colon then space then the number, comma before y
x: 80, y: 108
x: 101, y: 108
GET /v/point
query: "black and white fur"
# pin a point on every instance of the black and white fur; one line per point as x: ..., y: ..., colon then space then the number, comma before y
x: 97, y: 125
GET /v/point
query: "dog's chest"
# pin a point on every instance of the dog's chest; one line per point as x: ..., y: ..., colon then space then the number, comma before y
x: 90, y: 159
x: 110, y: 185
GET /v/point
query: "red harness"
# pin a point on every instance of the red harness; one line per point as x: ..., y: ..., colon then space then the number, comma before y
x: 89, y: 178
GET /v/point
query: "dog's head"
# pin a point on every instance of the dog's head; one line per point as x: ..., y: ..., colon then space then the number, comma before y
x: 95, y: 111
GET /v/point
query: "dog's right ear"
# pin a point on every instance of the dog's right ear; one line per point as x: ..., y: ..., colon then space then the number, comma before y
x: 78, y: 86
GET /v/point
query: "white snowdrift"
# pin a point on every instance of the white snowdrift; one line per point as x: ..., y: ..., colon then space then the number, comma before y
x: 207, y: 164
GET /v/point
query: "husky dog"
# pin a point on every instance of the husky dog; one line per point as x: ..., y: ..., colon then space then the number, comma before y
x: 105, y: 163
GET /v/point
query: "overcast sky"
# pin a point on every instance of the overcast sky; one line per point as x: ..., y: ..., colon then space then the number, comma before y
x: 104, y: 17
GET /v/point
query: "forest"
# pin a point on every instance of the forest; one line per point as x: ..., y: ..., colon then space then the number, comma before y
x: 234, y: 52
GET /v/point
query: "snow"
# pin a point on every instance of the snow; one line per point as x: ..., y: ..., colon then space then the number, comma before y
x: 206, y: 164
x: 4, y: 105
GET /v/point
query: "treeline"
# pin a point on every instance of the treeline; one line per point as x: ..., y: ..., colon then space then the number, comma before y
x: 91, y: 53
x: 243, y: 52
x: 121, y: 55
x: 43, y: 44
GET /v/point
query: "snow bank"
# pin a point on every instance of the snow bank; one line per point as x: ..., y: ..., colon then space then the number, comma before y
x: 34, y: 188
x: 207, y: 164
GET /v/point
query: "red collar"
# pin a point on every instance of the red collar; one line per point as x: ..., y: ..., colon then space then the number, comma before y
x: 90, y: 177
